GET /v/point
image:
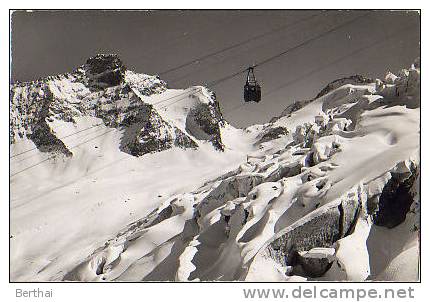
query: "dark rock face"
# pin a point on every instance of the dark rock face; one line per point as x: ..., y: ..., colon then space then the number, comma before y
x: 182, y: 140
x: 46, y: 141
x: 393, y: 204
x: 144, y: 129
x: 25, y: 112
x: 272, y: 133
x: 204, y: 122
x: 106, y: 107
x: 314, y: 263
x: 105, y: 71
x: 34, y: 126
x: 104, y: 62
x: 150, y: 133
x: 322, y: 230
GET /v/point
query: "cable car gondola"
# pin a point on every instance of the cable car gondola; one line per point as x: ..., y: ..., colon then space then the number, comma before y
x: 251, y: 90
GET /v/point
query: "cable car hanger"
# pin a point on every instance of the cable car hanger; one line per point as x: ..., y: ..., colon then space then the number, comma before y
x: 251, y: 90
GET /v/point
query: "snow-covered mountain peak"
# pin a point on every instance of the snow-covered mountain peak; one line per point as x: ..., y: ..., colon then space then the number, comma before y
x: 151, y: 117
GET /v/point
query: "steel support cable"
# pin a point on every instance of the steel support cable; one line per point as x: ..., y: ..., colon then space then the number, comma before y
x: 339, y: 59
x: 32, y: 155
x: 92, y: 127
x: 202, y: 58
x: 224, y: 59
x: 233, y: 75
x: 66, y: 136
x: 187, y: 93
x: 216, y: 82
x: 84, y: 142
x: 228, y: 77
x: 53, y: 156
x: 331, y: 63
x: 311, y: 40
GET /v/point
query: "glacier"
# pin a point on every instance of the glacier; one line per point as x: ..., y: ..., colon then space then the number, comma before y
x: 116, y: 177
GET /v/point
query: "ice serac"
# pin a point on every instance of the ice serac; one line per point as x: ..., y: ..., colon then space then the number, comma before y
x: 105, y: 89
x: 297, y: 105
x: 354, y: 80
x: 383, y: 125
x: 329, y: 190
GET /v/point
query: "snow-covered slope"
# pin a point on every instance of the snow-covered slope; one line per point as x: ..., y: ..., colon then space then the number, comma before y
x: 327, y: 191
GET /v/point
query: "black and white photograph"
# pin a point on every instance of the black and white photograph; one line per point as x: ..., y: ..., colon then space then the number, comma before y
x: 214, y: 145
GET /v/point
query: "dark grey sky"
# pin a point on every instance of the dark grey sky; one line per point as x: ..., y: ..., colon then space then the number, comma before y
x: 49, y: 43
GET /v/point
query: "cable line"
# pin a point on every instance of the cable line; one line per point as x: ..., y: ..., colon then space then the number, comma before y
x: 329, y: 64
x: 53, y: 156
x: 310, y: 40
x: 185, y: 94
x: 97, y: 125
x: 33, y: 154
x: 233, y: 75
x: 66, y: 136
x: 198, y: 60
x: 340, y: 59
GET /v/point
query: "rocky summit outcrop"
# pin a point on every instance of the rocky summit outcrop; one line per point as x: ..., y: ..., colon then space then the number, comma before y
x: 103, y: 71
x: 103, y: 88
